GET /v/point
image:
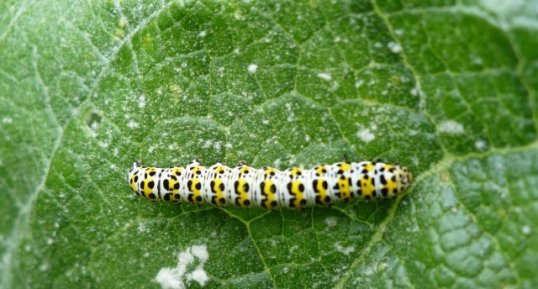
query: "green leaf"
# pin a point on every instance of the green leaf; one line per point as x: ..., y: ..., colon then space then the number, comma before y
x: 448, y: 88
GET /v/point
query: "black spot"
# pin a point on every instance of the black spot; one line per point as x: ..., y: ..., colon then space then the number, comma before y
x: 236, y: 185
x: 324, y: 170
x: 221, y: 171
x: 340, y: 172
x: 198, y: 199
x: 393, y: 178
x: 359, y: 191
x: 365, y: 171
x: 246, y: 187
x: 262, y: 186
x: 136, y: 179
x: 176, y: 186
x: 246, y: 203
x: 178, y: 173
x: 336, y: 187
x: 212, y: 186
x: 221, y: 186
x: 349, y: 182
x: 289, y: 187
x: 167, y: 197
x: 165, y: 184
x: 177, y: 196
x: 315, y: 185
x: 391, y: 170
x: 189, y: 184
x: 383, y: 180
x: 274, y: 203
x: 273, y: 188
x: 272, y: 173
x: 151, y: 196
x: 385, y: 191
x: 366, y: 177
x: 151, y: 184
x: 325, y: 184
x: 372, y: 180
x: 301, y: 188
x: 318, y: 200
x: 367, y: 197
x: 382, y: 169
x: 327, y: 199
x: 221, y: 201
x: 303, y: 202
x: 198, y: 186
x: 152, y: 173
x: 142, y: 185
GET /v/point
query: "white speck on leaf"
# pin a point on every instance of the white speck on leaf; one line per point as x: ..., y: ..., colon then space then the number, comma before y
x: 394, y: 47
x: 324, y: 76
x: 252, y: 68
x: 132, y: 124
x: 526, y: 230
x: 7, y: 120
x: 480, y: 145
x: 179, y: 277
x: 359, y: 83
x: 142, y: 101
x: 365, y: 135
x: 202, y: 34
x: 331, y: 221
x: 451, y: 127
x: 344, y: 250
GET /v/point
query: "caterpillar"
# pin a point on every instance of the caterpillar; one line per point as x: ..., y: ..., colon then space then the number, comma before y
x: 244, y: 186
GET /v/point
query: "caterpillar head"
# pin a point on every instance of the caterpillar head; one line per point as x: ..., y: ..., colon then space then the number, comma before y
x: 404, y: 177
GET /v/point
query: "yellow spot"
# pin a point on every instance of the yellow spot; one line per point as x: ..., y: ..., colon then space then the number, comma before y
x: 243, y: 194
x: 267, y: 192
x: 345, y: 166
x: 177, y: 171
x: 321, y: 191
x: 195, y: 192
x: 245, y: 170
x: 391, y: 185
x: 321, y: 170
x: 147, y: 190
x: 220, y: 194
x: 369, y: 167
x: 345, y: 189
x: 367, y: 187
x: 269, y: 171
x: 297, y: 193
x: 295, y: 171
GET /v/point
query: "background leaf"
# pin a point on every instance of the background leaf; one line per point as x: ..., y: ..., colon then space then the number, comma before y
x: 445, y: 87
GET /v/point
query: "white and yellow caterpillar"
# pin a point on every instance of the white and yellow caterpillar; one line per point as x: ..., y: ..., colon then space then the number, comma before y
x: 269, y: 188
